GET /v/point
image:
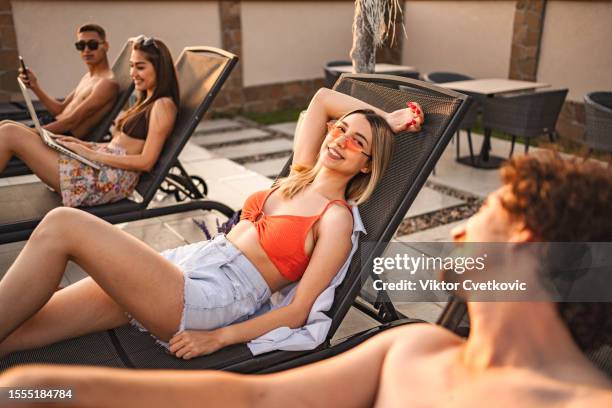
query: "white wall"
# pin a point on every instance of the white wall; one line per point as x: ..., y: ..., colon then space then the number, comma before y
x: 46, y: 31
x: 576, y: 50
x: 469, y: 37
x: 287, y: 41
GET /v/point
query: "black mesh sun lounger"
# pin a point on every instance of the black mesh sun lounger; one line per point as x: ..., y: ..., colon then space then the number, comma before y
x: 121, y: 71
x: 201, y: 73
x: 414, y: 158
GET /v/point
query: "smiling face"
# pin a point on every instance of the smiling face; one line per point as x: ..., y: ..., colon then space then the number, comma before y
x: 89, y: 56
x: 142, y: 72
x: 493, y: 223
x: 348, y: 145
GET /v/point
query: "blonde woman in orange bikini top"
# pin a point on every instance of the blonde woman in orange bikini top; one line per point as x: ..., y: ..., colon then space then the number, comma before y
x: 198, y: 298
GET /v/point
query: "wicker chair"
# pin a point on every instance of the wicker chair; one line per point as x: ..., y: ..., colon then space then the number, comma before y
x: 528, y: 114
x: 331, y: 76
x: 405, y: 74
x: 470, y: 118
x: 598, y: 107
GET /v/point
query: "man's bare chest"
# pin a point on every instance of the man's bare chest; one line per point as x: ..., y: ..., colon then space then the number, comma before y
x: 441, y: 382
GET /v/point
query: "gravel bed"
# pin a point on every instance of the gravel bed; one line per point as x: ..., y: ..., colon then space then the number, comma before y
x: 271, y: 136
x: 220, y: 130
x: 261, y: 157
x: 248, y: 123
x: 443, y: 216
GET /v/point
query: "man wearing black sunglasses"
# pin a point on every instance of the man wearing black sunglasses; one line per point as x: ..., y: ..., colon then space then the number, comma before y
x: 93, y: 97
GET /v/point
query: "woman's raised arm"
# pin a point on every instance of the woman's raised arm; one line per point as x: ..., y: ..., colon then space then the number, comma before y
x: 328, y: 104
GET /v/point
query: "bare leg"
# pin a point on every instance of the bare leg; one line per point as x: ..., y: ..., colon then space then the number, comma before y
x: 19, y: 140
x: 137, y: 278
x: 57, y: 320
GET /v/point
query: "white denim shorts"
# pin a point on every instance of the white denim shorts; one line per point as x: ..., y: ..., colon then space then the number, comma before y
x: 221, y: 285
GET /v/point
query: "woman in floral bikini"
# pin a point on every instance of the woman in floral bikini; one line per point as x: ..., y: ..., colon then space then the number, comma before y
x: 138, y: 137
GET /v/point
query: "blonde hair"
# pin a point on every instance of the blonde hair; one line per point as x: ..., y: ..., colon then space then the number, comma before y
x: 362, y: 185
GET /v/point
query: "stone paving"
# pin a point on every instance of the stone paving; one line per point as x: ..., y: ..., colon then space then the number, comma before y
x: 237, y: 157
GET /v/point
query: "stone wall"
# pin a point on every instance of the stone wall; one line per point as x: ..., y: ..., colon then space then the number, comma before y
x: 8, y: 53
x: 231, y: 98
x: 526, y: 37
x: 515, y: 30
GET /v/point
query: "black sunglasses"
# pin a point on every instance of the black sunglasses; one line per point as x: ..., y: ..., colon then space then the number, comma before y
x: 146, y: 41
x: 91, y: 44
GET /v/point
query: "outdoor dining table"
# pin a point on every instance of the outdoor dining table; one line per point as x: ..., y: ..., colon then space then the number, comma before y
x: 378, y: 68
x: 489, y: 88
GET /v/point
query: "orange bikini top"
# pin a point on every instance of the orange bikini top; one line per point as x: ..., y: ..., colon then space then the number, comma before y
x: 282, y: 237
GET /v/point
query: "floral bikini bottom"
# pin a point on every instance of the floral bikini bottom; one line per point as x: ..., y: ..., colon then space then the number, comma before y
x: 83, y: 186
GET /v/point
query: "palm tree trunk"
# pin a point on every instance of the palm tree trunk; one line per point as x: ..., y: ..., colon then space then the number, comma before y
x: 363, y: 51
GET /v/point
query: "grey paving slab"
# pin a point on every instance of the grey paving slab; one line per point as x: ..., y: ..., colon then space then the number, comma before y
x: 8, y: 254
x: 428, y: 311
x: 287, y: 128
x: 428, y: 241
x: 30, y: 178
x: 354, y: 322
x: 190, y: 231
x: 192, y: 152
x: 215, y: 169
x: 268, y: 168
x: 230, y: 136
x: 64, y: 282
x: 465, y: 178
x: 207, y: 125
x: 228, y: 182
x: 429, y: 200
x: 12, y: 247
x: 74, y: 273
x: 156, y: 235
x: 250, y: 149
x: 436, y: 234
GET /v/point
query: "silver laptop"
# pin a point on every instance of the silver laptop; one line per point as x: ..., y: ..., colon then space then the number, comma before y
x: 46, y: 136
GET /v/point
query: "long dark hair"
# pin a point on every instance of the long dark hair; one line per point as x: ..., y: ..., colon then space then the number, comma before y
x: 156, y: 52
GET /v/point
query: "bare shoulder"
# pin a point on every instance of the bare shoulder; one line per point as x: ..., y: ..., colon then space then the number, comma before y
x: 164, y: 104
x: 110, y: 82
x: 337, y: 218
x: 105, y: 84
x: 423, y: 338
